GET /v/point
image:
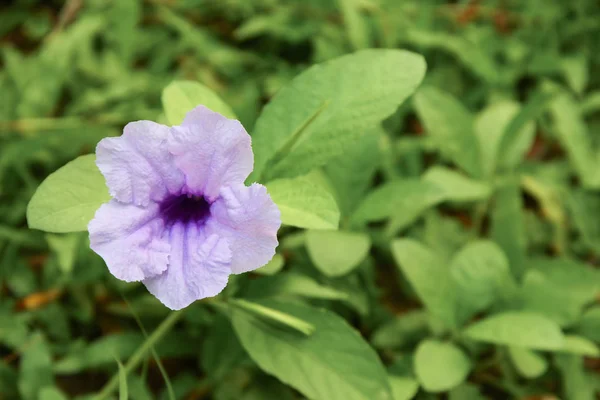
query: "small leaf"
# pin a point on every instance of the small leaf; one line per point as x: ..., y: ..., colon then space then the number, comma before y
x: 450, y: 125
x: 304, y: 204
x: 336, y: 253
x: 326, y: 108
x: 580, y: 346
x: 455, y: 186
x: 68, y: 199
x: 572, y: 131
x: 35, y: 368
x: 406, y: 197
x: 589, y: 324
x: 51, y: 393
x: 403, y: 330
x: 528, y: 363
x: 334, y: 363
x: 65, y: 247
x: 480, y: 271
x: 429, y: 276
x: 508, y: 226
x: 180, y: 97
x: 491, y: 127
x: 272, y: 267
x: 518, y: 328
x: 403, y: 388
x: 440, y: 366
x: 576, y: 383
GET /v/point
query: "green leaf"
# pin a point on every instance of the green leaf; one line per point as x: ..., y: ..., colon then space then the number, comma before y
x: 466, y: 391
x: 401, y: 331
x: 455, y: 186
x: 336, y: 253
x: 580, y: 346
x: 575, y: 70
x: 572, y: 132
x: 65, y: 248
x: 51, y: 393
x: 589, y: 324
x: 481, y: 272
x: 576, y: 383
x: 221, y: 351
x: 323, y: 110
x: 272, y: 267
x: 334, y: 363
x: 518, y: 328
x: 408, y: 198
x: 403, y: 388
x: 528, y: 363
x: 35, y: 368
x: 585, y: 210
x: 429, y: 276
x: 356, y: 28
x: 273, y: 316
x: 304, y: 204
x: 551, y: 299
x: 68, y: 199
x: 450, y: 125
x: 180, y: 97
x: 440, y: 366
x: 491, y: 127
x: 508, y: 226
x: 292, y: 284
x: 471, y: 54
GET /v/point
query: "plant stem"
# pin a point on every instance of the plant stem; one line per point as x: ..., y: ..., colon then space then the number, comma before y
x: 138, y: 356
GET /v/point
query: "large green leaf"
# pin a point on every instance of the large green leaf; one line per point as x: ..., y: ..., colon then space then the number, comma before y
x: 304, y: 203
x: 180, y: 97
x: 336, y: 253
x: 68, y: 199
x: 440, y: 366
x: 518, y: 328
x: 429, y: 276
x: 450, y: 125
x: 327, y: 107
x: 334, y: 363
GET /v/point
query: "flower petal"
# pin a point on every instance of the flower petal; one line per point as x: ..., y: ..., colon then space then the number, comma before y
x: 195, y: 271
x: 212, y: 151
x: 137, y: 165
x: 249, y: 219
x: 128, y: 238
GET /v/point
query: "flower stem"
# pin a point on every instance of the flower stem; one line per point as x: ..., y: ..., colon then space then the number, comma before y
x: 139, y: 354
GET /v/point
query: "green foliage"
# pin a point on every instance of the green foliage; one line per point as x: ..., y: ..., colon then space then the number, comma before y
x: 453, y: 226
x: 68, y: 199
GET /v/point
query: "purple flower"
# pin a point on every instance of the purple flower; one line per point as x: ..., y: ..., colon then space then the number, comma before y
x: 181, y: 219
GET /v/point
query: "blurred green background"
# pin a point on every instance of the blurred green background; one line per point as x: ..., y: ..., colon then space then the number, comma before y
x: 74, y: 72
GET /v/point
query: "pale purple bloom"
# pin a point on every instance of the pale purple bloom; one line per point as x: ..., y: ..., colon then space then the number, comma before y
x: 181, y: 219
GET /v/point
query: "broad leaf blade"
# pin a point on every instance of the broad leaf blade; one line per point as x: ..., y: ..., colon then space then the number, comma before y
x: 304, y: 204
x: 68, y: 199
x: 326, y: 108
x: 180, y: 97
x: 334, y: 363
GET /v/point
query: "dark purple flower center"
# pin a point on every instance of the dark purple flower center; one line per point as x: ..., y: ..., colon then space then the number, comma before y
x: 184, y: 208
